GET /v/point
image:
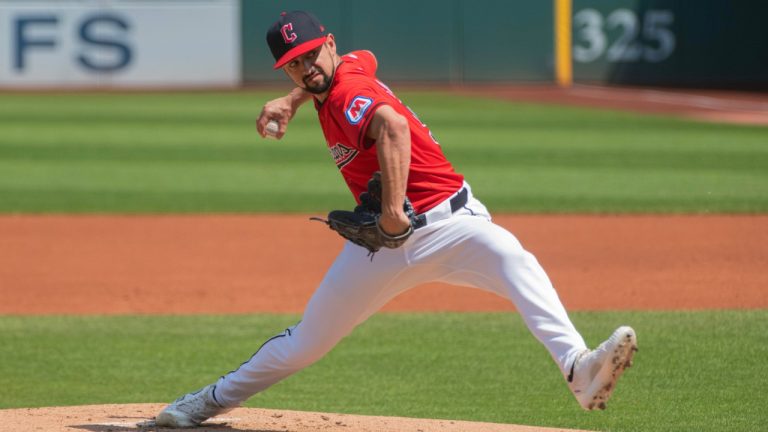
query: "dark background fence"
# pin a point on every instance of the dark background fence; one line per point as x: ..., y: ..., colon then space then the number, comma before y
x: 680, y: 43
x: 415, y: 40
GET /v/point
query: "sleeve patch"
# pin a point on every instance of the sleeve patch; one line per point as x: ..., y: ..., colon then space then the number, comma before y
x: 357, y: 109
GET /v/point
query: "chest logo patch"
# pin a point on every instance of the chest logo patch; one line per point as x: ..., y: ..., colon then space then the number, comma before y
x: 342, y: 154
x: 357, y: 108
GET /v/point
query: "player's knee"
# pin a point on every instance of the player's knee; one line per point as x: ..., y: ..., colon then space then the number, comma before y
x: 509, y: 253
x: 521, y: 258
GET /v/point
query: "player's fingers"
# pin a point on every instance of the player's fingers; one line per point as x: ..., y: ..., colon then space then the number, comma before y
x: 283, y: 126
x: 261, y: 124
x: 260, y: 129
x: 277, y: 111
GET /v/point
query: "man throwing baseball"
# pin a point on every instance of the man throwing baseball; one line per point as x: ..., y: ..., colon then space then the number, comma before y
x: 415, y: 213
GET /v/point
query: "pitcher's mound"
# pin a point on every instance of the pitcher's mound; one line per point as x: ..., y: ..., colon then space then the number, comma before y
x: 116, y: 418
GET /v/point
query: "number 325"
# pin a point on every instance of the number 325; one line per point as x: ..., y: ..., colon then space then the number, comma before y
x: 653, y: 43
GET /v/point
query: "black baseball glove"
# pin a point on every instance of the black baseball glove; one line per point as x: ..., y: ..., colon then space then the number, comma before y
x: 361, y: 226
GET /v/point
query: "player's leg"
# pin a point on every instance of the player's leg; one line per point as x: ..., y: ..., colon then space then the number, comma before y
x: 492, y: 258
x: 485, y: 255
x: 340, y: 303
x: 343, y: 300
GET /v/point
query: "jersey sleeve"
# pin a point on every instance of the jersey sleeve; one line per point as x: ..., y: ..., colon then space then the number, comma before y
x: 358, y: 104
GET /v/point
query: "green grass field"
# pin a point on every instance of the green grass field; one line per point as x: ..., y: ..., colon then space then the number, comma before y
x: 199, y: 153
x: 696, y: 371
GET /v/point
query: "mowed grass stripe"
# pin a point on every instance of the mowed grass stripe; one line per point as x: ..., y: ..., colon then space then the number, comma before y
x: 199, y: 152
x: 695, y: 370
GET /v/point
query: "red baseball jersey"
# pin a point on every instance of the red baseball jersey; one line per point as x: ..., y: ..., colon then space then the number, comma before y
x: 355, y: 96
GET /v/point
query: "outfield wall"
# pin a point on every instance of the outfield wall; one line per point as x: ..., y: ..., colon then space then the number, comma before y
x: 680, y: 43
x: 113, y: 43
x: 676, y: 43
x: 421, y: 40
x: 221, y: 43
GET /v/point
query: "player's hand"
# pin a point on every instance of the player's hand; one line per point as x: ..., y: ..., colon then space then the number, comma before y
x: 394, y: 224
x: 279, y: 110
x: 282, y: 111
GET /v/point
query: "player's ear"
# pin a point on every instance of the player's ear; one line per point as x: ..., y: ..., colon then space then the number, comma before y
x: 331, y: 41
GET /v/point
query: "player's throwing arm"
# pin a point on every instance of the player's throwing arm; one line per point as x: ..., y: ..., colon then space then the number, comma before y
x: 274, y: 117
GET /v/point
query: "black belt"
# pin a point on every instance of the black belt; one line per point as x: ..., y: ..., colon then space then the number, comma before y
x: 457, y: 202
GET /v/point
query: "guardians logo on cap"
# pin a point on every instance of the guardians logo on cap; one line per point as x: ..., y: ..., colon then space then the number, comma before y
x: 294, y: 34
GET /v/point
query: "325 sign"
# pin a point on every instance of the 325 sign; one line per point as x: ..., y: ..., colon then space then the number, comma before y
x: 649, y: 38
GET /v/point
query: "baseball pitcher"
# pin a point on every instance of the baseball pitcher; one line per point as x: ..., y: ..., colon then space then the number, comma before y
x: 416, y: 220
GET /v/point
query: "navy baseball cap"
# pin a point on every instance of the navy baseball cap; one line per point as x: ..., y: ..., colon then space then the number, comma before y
x: 294, y: 34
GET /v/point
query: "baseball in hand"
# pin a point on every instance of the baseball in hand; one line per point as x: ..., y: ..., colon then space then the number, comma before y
x: 272, y: 128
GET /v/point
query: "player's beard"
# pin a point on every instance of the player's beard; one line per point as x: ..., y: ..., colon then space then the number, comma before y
x: 319, y: 88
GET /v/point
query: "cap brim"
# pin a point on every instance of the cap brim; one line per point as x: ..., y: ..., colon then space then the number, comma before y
x: 299, y: 50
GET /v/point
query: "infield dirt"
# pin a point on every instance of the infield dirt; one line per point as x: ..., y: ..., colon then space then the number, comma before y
x: 245, y: 264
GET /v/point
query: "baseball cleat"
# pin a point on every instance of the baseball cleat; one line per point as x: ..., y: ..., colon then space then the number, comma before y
x: 594, y: 373
x: 191, y: 409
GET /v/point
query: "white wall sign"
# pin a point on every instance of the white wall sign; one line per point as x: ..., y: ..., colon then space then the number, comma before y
x: 113, y: 43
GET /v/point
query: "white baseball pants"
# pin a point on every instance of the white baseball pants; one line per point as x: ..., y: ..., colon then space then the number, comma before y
x: 463, y: 248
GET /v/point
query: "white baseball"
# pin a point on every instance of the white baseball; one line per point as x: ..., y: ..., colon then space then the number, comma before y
x: 272, y: 128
